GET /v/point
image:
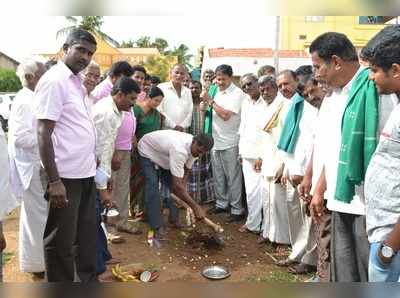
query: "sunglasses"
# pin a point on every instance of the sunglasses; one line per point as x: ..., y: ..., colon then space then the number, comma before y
x: 246, y: 85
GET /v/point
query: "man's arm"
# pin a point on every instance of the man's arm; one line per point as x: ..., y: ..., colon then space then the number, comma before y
x: 221, y: 112
x: 305, y: 186
x: 317, y: 201
x: 56, y: 189
x: 24, y: 134
x: 178, y: 188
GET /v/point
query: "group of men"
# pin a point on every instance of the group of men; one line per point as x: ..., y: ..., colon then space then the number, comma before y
x: 316, y: 151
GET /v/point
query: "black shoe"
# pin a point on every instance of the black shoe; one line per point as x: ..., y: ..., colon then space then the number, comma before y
x: 234, y: 218
x: 216, y: 210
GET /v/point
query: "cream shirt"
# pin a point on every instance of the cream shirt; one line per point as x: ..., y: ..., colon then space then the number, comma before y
x: 253, y: 120
x: 177, y: 110
x: 107, y: 119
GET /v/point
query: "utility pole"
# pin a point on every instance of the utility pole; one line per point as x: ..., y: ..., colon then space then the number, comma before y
x: 276, y: 50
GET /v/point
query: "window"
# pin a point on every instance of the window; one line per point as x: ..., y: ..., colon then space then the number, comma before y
x: 371, y: 20
x: 315, y: 19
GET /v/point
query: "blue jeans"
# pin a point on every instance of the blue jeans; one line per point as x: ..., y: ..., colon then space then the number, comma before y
x: 379, y: 272
x: 152, y: 199
x: 166, y: 180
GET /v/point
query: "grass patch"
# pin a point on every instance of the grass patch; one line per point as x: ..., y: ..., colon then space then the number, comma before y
x: 7, y: 257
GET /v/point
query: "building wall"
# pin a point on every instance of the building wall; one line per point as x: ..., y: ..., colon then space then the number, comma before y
x: 297, y: 32
x: 7, y: 63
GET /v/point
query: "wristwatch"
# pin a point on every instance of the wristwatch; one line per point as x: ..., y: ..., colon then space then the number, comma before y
x: 386, y: 251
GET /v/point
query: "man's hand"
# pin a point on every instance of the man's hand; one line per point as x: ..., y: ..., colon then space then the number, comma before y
x: 257, y: 165
x: 3, y: 242
x: 105, y: 198
x: 279, y: 175
x: 179, y: 128
x: 317, y: 207
x: 304, y: 189
x: 199, y: 212
x: 284, y: 180
x: 295, y: 180
x: 57, y: 194
x: 115, y: 162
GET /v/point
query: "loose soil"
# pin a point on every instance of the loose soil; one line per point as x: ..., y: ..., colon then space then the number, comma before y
x: 181, y: 257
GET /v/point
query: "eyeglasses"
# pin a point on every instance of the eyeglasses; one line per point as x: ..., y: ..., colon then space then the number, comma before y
x: 246, y: 85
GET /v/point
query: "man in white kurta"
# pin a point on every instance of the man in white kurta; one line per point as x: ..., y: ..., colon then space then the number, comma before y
x: 301, y: 238
x: 252, y: 122
x: 26, y: 170
x: 177, y: 105
x: 275, y: 220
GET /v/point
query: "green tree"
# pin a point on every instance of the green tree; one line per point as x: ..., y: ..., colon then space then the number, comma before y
x: 161, y: 44
x: 182, y: 53
x: 160, y: 66
x: 128, y: 44
x: 143, y: 42
x: 9, y: 81
x: 90, y: 23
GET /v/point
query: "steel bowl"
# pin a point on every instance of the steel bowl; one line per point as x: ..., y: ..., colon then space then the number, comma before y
x: 215, y: 272
x: 111, y: 216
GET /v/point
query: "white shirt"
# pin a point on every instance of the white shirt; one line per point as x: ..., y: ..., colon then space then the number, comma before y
x: 107, y: 119
x: 22, y: 142
x: 177, y: 110
x: 322, y: 137
x: 169, y: 149
x: 296, y: 163
x: 253, y: 120
x: 7, y: 200
x: 272, y: 157
x: 225, y: 133
x: 332, y: 148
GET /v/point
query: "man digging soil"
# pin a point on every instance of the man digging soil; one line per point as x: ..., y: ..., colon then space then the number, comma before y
x: 170, y: 153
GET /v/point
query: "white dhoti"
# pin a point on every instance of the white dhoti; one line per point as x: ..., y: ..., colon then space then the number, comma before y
x: 31, y: 227
x: 276, y: 222
x: 302, y: 239
x: 254, y: 195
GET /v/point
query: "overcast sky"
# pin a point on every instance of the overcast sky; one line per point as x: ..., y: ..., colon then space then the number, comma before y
x: 37, y: 34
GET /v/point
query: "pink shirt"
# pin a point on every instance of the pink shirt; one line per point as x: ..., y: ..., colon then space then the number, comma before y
x: 126, y: 132
x: 102, y: 90
x: 60, y: 97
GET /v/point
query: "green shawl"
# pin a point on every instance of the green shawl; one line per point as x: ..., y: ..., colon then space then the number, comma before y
x: 208, y: 114
x: 290, y: 131
x: 359, y: 128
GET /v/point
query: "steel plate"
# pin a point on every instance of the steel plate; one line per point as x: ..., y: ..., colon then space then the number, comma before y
x: 216, y: 272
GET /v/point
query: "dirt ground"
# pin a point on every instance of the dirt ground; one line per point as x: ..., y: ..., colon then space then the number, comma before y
x: 178, y: 260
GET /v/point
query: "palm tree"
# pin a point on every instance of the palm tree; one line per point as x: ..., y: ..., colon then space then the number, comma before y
x: 90, y: 23
x: 181, y: 52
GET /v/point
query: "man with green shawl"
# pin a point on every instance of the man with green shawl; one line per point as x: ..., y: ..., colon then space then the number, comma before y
x: 296, y: 143
x: 354, y: 123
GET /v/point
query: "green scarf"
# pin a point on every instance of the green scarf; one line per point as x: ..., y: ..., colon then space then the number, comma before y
x: 208, y: 114
x: 359, y: 128
x: 290, y: 131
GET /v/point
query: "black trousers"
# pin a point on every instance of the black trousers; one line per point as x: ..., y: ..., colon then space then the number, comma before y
x: 71, y: 233
x: 349, y: 248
